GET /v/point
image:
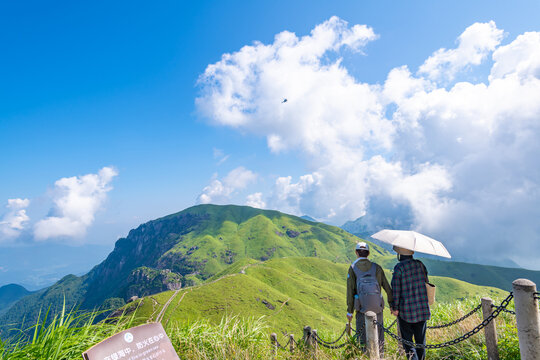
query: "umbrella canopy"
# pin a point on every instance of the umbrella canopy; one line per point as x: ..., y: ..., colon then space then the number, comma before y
x: 413, y: 241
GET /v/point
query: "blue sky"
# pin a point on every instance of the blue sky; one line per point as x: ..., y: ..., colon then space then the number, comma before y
x: 92, y: 86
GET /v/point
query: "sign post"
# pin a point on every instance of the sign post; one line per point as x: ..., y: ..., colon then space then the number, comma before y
x: 144, y: 342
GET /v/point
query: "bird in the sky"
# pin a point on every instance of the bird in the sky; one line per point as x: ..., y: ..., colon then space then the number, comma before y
x: 284, y: 101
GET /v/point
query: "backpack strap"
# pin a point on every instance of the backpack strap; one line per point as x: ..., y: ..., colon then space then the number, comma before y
x: 373, y: 270
x: 423, y: 270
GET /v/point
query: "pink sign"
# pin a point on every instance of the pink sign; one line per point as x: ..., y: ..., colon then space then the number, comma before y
x: 144, y: 342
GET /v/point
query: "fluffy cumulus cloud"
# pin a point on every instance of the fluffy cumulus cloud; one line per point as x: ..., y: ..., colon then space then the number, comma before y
x: 256, y: 200
x: 458, y: 159
x: 15, y: 219
x: 474, y: 45
x: 220, y: 191
x: 76, y: 199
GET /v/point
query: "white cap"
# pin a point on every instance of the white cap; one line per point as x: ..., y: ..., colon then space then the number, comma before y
x: 362, y: 246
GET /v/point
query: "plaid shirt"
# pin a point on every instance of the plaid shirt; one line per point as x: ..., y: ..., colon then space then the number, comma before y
x: 409, y: 290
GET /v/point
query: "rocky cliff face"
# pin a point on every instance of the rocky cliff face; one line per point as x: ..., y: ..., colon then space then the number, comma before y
x: 143, y: 247
x: 145, y: 281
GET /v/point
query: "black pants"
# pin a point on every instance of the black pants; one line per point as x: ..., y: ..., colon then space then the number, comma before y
x: 418, y: 331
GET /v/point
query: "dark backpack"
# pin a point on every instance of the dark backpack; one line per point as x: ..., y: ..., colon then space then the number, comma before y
x: 368, y: 290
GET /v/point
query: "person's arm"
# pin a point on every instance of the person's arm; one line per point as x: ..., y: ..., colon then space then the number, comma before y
x: 381, y: 278
x: 351, y: 291
x: 396, y: 288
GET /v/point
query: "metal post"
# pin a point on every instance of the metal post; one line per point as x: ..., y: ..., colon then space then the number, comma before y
x: 273, y: 339
x: 372, y: 335
x: 527, y: 318
x: 490, y: 331
x: 291, y: 342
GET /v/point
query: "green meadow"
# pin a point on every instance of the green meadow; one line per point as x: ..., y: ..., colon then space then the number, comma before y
x: 288, y: 292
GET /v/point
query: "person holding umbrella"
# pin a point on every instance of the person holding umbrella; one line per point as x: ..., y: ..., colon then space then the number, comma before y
x: 411, y: 303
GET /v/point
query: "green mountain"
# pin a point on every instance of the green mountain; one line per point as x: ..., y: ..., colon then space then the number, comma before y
x: 289, y: 292
x: 188, y: 248
x: 9, y: 294
x: 197, y: 247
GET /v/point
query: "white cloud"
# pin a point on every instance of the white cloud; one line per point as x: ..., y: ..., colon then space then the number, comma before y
x: 76, y: 199
x: 256, y: 200
x: 460, y: 162
x: 14, y: 221
x: 220, y: 191
x: 520, y: 58
x: 474, y: 45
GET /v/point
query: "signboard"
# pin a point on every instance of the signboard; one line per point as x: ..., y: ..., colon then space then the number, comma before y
x: 144, y: 342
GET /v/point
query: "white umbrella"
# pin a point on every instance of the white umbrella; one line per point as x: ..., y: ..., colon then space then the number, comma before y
x: 413, y: 241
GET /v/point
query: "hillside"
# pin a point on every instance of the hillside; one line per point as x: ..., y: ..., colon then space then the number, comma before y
x: 203, y: 240
x: 188, y: 248
x: 289, y: 292
x: 202, y: 243
x: 9, y: 294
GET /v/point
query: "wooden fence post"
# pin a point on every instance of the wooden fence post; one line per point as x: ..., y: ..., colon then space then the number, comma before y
x: 490, y: 331
x: 314, y: 343
x: 273, y: 339
x: 291, y: 342
x: 527, y: 318
x: 307, y: 336
x: 372, y: 335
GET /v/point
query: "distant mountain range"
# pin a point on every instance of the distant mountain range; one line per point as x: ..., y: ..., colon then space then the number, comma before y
x: 308, y: 218
x: 9, y: 294
x: 200, y: 244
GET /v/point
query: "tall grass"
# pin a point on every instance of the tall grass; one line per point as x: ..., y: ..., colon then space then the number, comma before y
x: 66, y: 336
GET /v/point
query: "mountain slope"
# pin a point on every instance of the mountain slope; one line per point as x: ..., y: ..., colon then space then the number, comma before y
x: 290, y: 292
x: 187, y: 248
x: 203, y: 240
x: 196, y: 244
x: 9, y: 294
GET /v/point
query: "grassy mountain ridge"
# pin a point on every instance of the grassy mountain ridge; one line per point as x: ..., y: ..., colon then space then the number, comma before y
x: 289, y: 292
x: 201, y: 244
x: 190, y: 247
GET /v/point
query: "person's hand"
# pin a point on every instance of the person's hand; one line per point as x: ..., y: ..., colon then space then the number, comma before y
x: 349, y: 317
x: 395, y: 312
